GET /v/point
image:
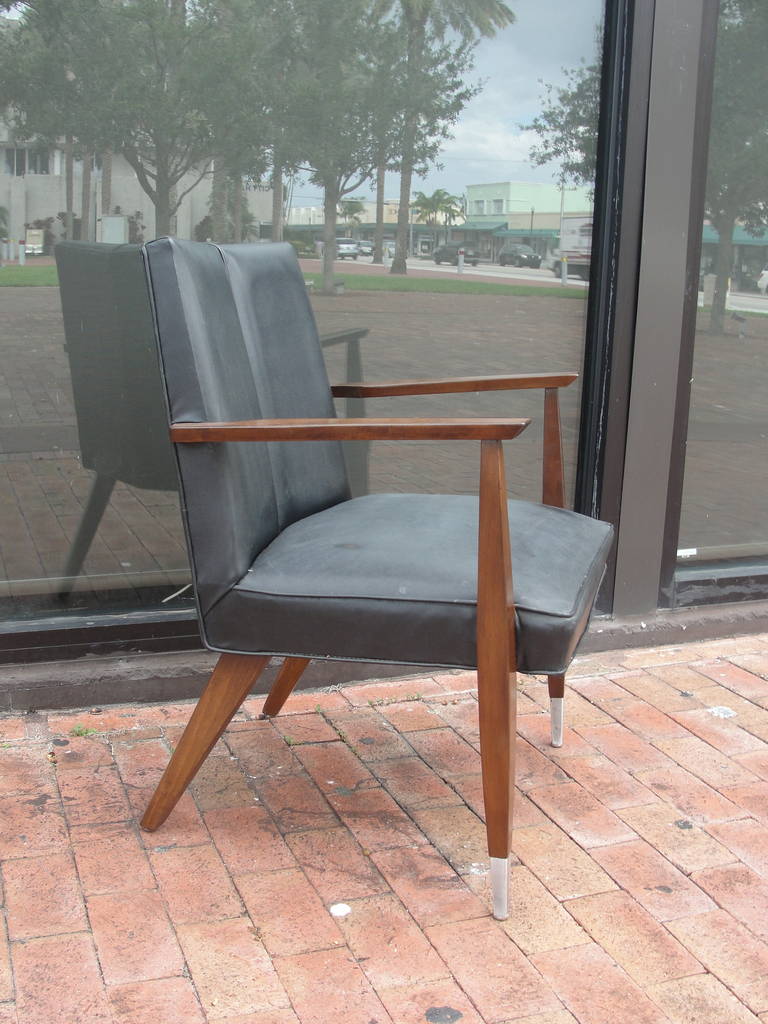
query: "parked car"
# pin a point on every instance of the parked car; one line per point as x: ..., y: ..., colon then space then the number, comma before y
x: 449, y: 253
x: 515, y: 255
x: 364, y: 247
x: 346, y: 249
x: 762, y: 281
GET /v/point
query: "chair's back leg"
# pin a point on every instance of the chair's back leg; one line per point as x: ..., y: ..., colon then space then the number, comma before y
x: 497, y: 695
x: 289, y: 674
x: 99, y: 495
x: 225, y: 691
x: 556, y: 708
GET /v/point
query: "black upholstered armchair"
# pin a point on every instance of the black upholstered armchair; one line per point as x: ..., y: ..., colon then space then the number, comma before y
x: 286, y: 563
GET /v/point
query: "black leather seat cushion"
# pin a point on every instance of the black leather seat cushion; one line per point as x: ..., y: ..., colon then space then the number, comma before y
x: 393, y: 577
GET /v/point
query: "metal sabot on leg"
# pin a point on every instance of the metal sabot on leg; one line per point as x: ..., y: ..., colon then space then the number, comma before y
x: 500, y: 887
x: 556, y: 709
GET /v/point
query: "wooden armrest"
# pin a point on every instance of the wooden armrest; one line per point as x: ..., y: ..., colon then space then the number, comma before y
x: 390, y: 429
x: 454, y: 385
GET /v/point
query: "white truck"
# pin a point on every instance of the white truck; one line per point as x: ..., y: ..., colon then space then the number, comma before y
x: 575, y: 247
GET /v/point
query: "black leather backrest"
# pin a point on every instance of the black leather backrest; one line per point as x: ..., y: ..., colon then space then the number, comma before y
x: 238, y: 341
x: 110, y: 344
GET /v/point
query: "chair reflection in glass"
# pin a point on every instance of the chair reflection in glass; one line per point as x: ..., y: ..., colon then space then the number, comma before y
x: 287, y: 563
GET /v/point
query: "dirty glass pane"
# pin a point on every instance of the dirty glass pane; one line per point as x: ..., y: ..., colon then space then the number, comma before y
x: 475, y: 128
x: 725, y: 494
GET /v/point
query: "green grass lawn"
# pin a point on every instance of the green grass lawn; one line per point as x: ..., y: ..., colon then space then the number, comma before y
x: 28, y: 276
x: 388, y: 283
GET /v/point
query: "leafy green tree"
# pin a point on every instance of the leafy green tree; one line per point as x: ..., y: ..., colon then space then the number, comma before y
x: 439, y: 208
x: 350, y: 210
x: 425, y: 22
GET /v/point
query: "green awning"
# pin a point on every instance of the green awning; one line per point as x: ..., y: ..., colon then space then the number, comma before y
x: 477, y: 225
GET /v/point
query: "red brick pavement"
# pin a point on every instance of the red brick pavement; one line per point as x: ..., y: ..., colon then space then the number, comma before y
x: 328, y: 867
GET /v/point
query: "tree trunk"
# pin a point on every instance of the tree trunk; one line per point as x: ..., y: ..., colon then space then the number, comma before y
x: 331, y: 204
x: 162, y: 207
x: 106, y: 182
x: 416, y: 32
x: 85, y: 215
x: 378, y: 234
x: 277, y: 200
x: 219, y: 202
x: 237, y: 208
x: 69, y: 187
x: 723, y: 260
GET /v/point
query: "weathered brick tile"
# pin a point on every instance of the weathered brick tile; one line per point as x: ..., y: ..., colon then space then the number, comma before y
x: 247, y: 840
x: 167, y: 1001
x: 220, y: 782
x: 133, y: 937
x: 491, y: 969
x: 747, y: 839
x: 436, y: 1001
x: 650, y: 657
x: 287, y: 913
x: 8, y: 1013
x: 184, y: 826
x: 597, y: 689
x: 646, y: 720
x: 751, y: 715
x: 6, y: 976
x: 446, y: 752
x: 261, y: 751
x: 230, y: 968
x: 457, y: 833
x: 564, y: 868
x: 536, y: 729
x: 581, y: 711
x: 336, y: 865
x: 363, y: 695
x: 693, y: 798
x: 635, y: 940
x: 461, y: 714
x: 195, y: 884
x: 697, y: 999
x: 428, y: 886
x: 93, y: 794
x: 613, y: 787
x: 326, y: 986
x: 45, y: 969
x: 300, y: 702
x: 648, y: 687
x: 755, y: 661
x: 413, y: 783
x: 80, y: 752
x: 735, y: 678
x: 682, y: 677
x: 581, y: 815
x: 295, y: 803
x: 554, y: 1017
x: 268, y: 1017
x: 375, y: 820
x: 753, y: 798
x: 730, y: 952
x: 32, y: 825
x: 532, y: 768
x: 723, y: 733
x: 410, y: 716
x: 43, y: 896
x: 621, y: 746
x: 456, y: 682
x: 333, y: 766
x: 110, y: 858
x: 26, y: 770
x: 684, y: 844
x: 740, y: 891
x: 656, y: 885
x: 389, y: 946
x: 297, y: 729
x: 537, y: 922
x: 608, y: 994
x: 756, y: 762
x: 369, y: 735
x: 708, y: 764
x: 11, y: 729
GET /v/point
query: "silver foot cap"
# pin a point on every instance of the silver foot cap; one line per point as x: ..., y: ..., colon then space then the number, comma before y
x: 500, y: 887
x: 556, y: 708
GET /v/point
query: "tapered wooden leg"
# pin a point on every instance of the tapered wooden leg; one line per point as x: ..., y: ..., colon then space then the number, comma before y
x: 289, y: 674
x: 225, y: 691
x: 556, y: 708
x: 495, y: 669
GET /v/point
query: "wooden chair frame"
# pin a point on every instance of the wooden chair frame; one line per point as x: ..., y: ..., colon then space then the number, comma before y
x: 235, y: 675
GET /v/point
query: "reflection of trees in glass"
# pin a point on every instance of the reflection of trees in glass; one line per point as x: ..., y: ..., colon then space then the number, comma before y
x: 567, y: 125
x: 351, y: 209
x: 439, y: 208
x: 423, y: 22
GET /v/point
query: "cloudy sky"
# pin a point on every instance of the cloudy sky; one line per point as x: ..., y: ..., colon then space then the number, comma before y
x: 488, y: 143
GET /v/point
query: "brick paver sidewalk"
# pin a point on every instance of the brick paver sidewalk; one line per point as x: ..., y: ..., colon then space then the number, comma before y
x: 329, y: 866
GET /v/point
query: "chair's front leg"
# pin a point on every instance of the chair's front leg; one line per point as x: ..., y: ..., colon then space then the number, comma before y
x: 289, y: 674
x: 225, y: 691
x: 496, y: 669
x: 556, y: 708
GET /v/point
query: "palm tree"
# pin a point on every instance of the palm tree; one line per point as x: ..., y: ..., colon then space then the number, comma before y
x: 440, y: 207
x: 470, y: 19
